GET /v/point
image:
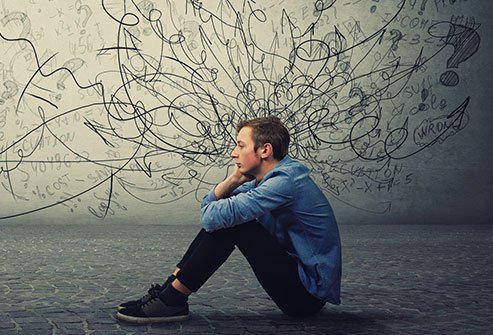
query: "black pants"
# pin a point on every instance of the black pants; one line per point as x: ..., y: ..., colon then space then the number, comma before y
x: 274, y: 268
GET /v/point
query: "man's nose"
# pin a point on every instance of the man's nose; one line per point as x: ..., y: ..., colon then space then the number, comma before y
x: 234, y: 154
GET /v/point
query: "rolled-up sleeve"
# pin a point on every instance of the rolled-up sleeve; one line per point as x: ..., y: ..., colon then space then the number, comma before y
x: 209, y: 197
x: 273, y: 193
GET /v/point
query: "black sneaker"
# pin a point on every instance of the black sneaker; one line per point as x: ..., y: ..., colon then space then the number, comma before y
x: 154, y: 310
x: 135, y: 303
x: 154, y: 288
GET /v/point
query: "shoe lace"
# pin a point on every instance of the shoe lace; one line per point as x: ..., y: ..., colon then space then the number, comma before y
x: 154, y: 288
x: 152, y: 293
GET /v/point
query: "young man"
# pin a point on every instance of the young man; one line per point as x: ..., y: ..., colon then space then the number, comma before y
x: 278, y: 218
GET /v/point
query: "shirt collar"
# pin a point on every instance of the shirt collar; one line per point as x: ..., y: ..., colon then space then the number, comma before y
x: 276, y: 168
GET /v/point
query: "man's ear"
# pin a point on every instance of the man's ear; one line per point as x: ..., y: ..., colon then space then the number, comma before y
x: 266, y: 150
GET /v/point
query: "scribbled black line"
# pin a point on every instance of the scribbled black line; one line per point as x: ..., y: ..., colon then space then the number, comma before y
x: 54, y: 203
x: 43, y: 99
x: 222, y: 79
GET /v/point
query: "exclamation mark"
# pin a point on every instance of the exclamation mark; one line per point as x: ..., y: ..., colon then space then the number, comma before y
x: 423, y: 7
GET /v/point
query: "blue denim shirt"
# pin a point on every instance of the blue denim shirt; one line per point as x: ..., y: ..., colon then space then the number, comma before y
x: 291, y: 207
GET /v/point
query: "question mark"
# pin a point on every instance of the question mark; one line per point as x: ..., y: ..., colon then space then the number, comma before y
x: 87, y: 13
x: 69, y: 67
x: 395, y: 36
x: 466, y: 43
x: 26, y: 24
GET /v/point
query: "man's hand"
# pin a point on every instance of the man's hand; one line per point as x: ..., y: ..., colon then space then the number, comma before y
x: 240, y: 177
x: 228, y: 185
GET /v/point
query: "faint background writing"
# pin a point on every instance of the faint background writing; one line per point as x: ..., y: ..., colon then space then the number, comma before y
x: 125, y: 110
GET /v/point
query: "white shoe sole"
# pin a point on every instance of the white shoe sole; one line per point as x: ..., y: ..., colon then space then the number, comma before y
x: 144, y: 320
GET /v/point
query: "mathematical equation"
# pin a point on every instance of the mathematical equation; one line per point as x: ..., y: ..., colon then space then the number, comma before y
x: 121, y: 103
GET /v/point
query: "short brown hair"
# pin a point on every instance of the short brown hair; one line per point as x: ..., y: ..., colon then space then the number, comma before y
x: 268, y: 129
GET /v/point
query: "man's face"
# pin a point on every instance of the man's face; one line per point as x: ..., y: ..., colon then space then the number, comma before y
x: 246, y: 158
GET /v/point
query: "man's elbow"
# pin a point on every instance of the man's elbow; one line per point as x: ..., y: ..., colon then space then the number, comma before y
x: 206, y: 221
x: 205, y: 224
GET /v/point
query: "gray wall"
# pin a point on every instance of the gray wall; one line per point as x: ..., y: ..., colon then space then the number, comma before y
x: 126, y: 112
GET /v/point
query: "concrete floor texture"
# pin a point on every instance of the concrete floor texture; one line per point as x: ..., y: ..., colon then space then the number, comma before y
x: 397, y: 279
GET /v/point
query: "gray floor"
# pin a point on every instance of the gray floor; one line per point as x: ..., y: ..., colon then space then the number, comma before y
x: 66, y: 279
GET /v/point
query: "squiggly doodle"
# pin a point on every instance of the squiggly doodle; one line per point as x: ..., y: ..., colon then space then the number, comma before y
x: 145, y: 108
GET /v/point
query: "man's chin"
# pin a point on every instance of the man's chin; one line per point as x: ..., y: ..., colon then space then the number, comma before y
x: 244, y: 171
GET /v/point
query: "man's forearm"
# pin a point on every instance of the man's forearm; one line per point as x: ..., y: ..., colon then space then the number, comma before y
x: 226, y: 187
